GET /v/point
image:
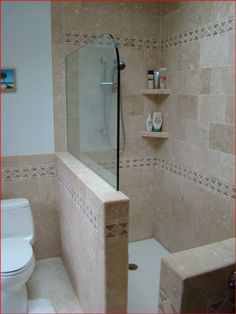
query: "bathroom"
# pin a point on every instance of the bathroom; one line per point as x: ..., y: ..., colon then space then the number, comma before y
x: 176, y: 194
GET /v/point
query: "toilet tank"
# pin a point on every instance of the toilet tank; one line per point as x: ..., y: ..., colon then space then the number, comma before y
x: 17, y: 220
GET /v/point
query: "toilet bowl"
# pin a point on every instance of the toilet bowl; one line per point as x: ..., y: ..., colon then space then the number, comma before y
x: 17, y: 267
x: 17, y: 258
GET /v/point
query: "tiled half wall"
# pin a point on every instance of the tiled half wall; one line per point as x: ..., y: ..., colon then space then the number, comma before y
x: 94, y: 236
x: 198, y: 280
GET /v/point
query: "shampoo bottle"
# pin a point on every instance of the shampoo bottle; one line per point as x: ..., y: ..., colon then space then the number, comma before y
x: 157, y: 121
x: 149, y: 123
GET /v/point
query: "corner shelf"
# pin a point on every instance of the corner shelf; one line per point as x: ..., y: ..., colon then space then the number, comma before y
x: 156, y: 91
x: 154, y: 134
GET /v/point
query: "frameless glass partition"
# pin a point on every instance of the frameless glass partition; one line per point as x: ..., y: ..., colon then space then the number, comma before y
x: 93, y: 85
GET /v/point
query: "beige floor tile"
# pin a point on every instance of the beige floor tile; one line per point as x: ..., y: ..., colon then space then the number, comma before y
x: 50, y: 281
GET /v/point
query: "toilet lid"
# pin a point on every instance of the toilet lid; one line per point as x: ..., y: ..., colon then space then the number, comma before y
x: 16, y: 254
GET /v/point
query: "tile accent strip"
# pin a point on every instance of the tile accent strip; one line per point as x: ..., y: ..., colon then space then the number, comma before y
x: 212, y: 184
x: 206, y: 31
x: 28, y: 172
x: 80, y: 39
x: 79, y: 200
x: 116, y: 230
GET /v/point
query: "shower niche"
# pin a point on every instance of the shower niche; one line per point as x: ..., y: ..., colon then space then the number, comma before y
x: 93, y: 106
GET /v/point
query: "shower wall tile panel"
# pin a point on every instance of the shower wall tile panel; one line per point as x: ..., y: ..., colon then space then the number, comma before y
x: 200, y: 147
x: 201, y: 97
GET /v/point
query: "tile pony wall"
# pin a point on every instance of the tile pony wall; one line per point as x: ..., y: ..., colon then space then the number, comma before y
x: 94, y: 236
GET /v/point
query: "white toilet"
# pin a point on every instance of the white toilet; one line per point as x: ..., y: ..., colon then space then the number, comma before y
x: 17, y: 258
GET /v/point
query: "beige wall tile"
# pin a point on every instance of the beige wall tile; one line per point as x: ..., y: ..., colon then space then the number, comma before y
x: 29, y: 160
x: 197, y: 132
x: 222, y: 137
x: 60, y: 134
x: 230, y: 110
x: 175, y: 126
x: 133, y: 105
x: 221, y: 10
x: 187, y: 106
x: 198, y: 81
x: 189, y: 207
x: 211, y: 108
x: 47, y: 232
x: 212, y: 54
x: 168, y: 7
x: 222, y: 80
x: 116, y: 294
x: 177, y: 81
x: 189, y: 56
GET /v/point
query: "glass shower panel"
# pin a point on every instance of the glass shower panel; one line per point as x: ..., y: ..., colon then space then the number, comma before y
x: 93, y: 81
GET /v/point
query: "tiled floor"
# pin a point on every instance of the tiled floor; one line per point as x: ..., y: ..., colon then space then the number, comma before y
x: 143, y: 289
x: 50, y: 281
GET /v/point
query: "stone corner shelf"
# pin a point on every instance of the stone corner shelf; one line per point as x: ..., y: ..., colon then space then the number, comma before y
x: 154, y: 134
x: 154, y: 91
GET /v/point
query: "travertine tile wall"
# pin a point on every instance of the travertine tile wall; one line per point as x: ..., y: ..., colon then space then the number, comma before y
x: 136, y: 26
x: 198, y: 50
x: 34, y: 177
x: 197, y: 280
x: 94, y: 233
x: 197, y: 159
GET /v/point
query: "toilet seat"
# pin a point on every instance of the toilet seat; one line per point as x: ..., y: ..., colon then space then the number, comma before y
x: 17, y: 256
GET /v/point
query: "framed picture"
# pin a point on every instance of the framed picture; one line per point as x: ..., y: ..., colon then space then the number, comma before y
x: 8, y: 80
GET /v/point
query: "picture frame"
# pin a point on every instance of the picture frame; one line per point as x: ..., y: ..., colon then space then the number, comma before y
x: 8, y: 80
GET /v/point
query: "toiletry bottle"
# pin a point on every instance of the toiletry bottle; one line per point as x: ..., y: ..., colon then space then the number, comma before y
x: 149, y: 123
x: 157, y: 121
x: 162, y: 78
x: 150, y: 79
x: 156, y: 79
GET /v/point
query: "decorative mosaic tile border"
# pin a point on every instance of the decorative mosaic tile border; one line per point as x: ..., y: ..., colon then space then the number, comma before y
x: 79, y: 200
x: 116, y: 230
x: 80, y: 39
x: 206, y: 31
x: 212, y: 184
x: 28, y: 172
